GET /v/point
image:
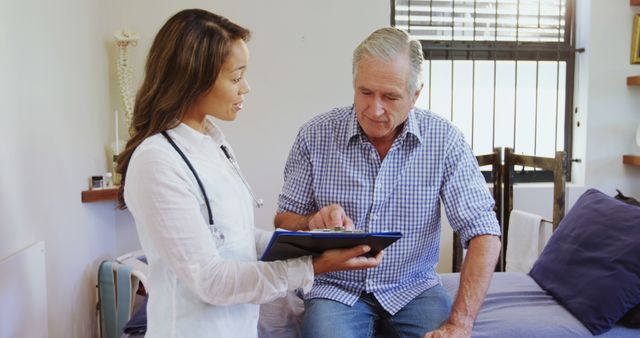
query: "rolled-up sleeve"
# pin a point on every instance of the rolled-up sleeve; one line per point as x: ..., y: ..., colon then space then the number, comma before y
x: 297, y: 192
x: 468, y: 203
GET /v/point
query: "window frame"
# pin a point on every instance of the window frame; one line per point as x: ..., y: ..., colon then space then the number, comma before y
x: 492, y: 50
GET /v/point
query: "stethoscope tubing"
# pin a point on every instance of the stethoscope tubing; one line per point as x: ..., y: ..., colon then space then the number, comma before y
x: 234, y: 165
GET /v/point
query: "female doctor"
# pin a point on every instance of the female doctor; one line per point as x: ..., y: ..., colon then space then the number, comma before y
x: 192, y: 208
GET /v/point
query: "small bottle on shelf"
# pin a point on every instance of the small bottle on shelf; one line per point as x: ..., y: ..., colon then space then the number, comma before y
x: 116, y: 175
x: 96, y: 182
x: 107, y: 180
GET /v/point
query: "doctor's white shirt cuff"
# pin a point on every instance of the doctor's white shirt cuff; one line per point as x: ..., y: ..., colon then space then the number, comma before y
x: 300, y: 273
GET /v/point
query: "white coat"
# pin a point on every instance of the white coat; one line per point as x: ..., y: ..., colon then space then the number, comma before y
x: 197, y: 288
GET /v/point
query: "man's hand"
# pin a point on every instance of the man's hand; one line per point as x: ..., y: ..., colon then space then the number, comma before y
x: 329, y: 217
x: 345, y: 259
x: 449, y: 331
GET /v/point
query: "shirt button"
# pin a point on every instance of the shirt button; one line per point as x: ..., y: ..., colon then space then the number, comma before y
x: 374, y: 217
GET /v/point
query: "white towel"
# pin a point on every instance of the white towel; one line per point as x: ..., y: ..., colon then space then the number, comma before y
x: 528, y: 234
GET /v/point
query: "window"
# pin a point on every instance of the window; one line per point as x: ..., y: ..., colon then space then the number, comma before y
x: 501, y: 70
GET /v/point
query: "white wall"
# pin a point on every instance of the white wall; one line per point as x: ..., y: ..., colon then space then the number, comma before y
x: 54, y: 105
x: 57, y: 94
x: 300, y: 66
x: 613, y: 108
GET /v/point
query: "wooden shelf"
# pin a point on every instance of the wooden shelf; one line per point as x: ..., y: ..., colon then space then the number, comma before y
x: 633, y: 80
x: 631, y: 160
x: 110, y: 194
x: 634, y: 2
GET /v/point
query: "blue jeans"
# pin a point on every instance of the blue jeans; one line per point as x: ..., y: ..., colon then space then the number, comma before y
x: 325, y: 318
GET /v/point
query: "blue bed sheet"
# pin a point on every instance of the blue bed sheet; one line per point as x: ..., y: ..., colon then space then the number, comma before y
x: 516, y: 306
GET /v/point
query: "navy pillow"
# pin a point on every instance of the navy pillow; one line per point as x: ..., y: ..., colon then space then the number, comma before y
x: 591, y: 264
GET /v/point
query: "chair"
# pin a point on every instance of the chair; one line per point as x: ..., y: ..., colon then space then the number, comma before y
x: 119, y: 281
x: 503, y: 161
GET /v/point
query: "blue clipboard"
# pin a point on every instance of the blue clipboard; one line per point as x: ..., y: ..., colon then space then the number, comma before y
x: 293, y: 244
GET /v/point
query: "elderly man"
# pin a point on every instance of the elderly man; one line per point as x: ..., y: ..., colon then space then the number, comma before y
x: 385, y: 165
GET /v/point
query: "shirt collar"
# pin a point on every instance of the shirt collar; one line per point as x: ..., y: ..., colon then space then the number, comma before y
x: 410, y: 128
x: 353, y: 128
x: 191, y: 138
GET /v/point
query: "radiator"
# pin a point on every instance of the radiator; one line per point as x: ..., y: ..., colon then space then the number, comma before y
x: 23, y: 294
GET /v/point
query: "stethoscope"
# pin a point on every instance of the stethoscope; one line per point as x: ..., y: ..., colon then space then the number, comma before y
x: 234, y: 165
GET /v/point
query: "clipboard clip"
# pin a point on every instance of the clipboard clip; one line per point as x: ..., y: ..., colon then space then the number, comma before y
x: 339, y: 229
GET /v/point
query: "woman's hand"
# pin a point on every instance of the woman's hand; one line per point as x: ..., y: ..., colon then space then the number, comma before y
x: 345, y: 259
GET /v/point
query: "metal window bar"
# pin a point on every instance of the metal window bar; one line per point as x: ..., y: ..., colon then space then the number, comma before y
x: 495, y: 76
x: 453, y: 12
x: 473, y: 79
x: 529, y: 39
x: 515, y: 88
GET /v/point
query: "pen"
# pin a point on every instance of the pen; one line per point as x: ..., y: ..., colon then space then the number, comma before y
x: 226, y: 152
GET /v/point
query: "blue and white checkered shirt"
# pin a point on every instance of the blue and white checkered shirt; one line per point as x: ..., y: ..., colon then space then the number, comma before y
x: 333, y: 162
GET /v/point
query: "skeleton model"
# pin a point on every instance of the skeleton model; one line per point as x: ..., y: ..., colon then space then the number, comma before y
x: 125, y: 39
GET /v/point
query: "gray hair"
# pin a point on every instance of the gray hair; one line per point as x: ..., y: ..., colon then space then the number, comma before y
x: 388, y: 44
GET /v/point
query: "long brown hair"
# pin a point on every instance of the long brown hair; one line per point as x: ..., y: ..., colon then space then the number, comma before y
x: 183, y: 63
